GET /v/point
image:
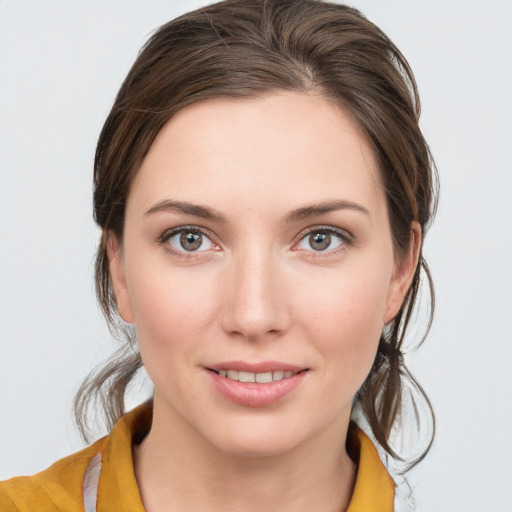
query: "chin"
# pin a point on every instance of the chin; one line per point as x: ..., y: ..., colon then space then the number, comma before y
x: 265, y: 434
x: 256, y: 444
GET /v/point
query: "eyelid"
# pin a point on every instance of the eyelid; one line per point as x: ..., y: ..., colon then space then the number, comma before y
x: 343, y: 234
x: 169, y: 233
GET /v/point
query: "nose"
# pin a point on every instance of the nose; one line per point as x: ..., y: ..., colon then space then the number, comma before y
x: 255, y: 304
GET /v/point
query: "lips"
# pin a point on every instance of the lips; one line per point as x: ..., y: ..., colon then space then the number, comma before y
x: 256, y: 385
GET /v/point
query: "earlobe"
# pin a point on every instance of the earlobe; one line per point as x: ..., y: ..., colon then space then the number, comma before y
x: 403, y: 275
x: 118, y: 278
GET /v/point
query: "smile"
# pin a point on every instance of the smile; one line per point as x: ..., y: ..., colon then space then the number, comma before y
x: 255, y: 384
x: 260, y: 378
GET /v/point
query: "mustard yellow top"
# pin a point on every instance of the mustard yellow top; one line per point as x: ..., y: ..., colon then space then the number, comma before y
x: 60, y: 487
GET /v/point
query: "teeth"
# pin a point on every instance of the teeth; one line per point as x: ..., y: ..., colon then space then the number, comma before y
x: 246, y: 377
x: 261, y: 378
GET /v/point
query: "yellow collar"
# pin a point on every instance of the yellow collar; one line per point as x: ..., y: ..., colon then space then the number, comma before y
x: 61, y: 486
x: 373, y: 491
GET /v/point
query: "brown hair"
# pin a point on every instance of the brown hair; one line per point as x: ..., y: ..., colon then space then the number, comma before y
x: 244, y: 48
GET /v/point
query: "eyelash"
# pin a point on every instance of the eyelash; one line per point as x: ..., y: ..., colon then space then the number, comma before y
x: 167, y: 235
x: 345, y: 237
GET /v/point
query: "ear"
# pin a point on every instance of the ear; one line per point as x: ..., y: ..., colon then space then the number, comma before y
x: 403, y: 275
x: 118, y: 279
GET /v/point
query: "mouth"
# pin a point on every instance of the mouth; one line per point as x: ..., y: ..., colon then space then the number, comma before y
x: 256, y: 384
x: 259, y: 378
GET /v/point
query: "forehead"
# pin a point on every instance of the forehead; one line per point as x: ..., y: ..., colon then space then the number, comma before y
x: 283, y: 148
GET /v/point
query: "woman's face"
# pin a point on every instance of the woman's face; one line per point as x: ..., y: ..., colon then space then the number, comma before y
x: 257, y: 247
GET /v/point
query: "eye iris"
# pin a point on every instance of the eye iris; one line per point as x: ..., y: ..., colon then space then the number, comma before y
x: 191, y: 241
x: 320, y: 241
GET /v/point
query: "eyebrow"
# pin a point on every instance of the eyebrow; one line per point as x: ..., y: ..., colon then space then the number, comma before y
x: 205, y: 212
x: 322, y: 208
x: 196, y: 210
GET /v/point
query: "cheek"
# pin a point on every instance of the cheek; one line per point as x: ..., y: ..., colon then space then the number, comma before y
x: 172, y: 309
x: 345, y: 320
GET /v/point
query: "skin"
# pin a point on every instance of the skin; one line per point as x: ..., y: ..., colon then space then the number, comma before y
x: 255, y: 291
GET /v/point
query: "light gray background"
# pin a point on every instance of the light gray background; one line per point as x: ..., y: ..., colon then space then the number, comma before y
x: 61, y: 63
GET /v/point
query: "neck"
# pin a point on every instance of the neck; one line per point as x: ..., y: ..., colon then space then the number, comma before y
x: 178, y: 469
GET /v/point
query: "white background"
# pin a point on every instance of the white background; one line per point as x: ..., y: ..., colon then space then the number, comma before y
x: 61, y: 63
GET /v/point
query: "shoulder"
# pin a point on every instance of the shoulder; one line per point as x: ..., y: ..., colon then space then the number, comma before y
x: 58, y: 488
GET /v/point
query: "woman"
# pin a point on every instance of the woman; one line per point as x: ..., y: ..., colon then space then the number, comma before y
x: 263, y: 191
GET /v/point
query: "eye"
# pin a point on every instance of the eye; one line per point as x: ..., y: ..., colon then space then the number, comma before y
x: 322, y: 240
x: 188, y: 240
